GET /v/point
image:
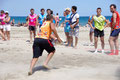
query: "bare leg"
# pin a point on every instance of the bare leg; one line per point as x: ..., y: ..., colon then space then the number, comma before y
x: 91, y: 37
x: 111, y: 42
x: 2, y: 35
x: 30, y: 36
x: 76, y: 42
x: 8, y: 35
x: 67, y: 37
x: 116, y: 46
x: 48, y: 59
x: 33, y: 62
x: 102, y: 42
x: 71, y: 41
x: 95, y: 42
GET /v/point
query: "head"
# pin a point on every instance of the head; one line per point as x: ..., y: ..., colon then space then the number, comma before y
x: 48, y: 11
x: 74, y: 9
x: 57, y: 14
x: 99, y: 10
x: 42, y: 10
x: 2, y: 12
x: 32, y: 11
x: 49, y: 18
x: 113, y: 8
x: 67, y: 10
x: 6, y: 13
x: 51, y: 12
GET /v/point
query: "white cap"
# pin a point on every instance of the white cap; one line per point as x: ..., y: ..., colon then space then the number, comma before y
x: 67, y: 9
x: 6, y: 12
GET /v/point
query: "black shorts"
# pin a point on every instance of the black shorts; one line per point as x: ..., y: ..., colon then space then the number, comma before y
x: 32, y: 28
x: 39, y: 45
x: 98, y: 33
x: 115, y: 33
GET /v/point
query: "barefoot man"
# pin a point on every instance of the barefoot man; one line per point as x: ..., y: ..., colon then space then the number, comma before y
x: 42, y: 41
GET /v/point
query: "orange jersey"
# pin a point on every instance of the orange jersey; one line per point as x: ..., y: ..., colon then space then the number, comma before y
x: 45, y: 30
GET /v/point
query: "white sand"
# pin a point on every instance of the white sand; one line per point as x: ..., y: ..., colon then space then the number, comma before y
x: 67, y: 63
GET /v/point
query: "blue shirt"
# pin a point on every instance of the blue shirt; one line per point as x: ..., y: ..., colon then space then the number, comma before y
x: 67, y: 18
x: 41, y: 18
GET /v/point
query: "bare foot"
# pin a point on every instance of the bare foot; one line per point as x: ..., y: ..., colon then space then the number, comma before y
x: 45, y: 66
x: 29, y: 73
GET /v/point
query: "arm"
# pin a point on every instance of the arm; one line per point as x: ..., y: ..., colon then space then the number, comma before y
x: 72, y: 26
x: 8, y: 20
x: 90, y: 23
x: 107, y: 23
x: 55, y: 32
x: 114, y: 20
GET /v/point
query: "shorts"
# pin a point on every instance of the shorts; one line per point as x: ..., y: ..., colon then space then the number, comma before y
x: 2, y: 26
x: 91, y: 30
x: 32, y: 28
x: 67, y: 29
x: 39, y: 45
x: 115, y: 33
x: 98, y: 33
x: 74, y: 32
x: 7, y: 28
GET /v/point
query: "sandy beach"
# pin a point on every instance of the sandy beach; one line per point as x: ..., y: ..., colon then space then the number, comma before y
x: 67, y: 64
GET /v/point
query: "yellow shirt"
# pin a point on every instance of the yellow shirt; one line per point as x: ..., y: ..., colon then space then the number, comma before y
x: 45, y: 31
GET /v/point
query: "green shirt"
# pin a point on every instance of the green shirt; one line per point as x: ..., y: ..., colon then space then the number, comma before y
x: 99, y: 22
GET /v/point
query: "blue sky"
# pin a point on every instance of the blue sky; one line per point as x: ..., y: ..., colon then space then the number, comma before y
x: 85, y: 7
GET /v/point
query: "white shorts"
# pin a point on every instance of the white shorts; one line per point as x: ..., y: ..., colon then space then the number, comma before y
x: 2, y: 26
x: 7, y: 28
x: 74, y: 32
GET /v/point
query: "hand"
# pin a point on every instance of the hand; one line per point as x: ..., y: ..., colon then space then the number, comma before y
x: 59, y: 40
x: 72, y: 27
x: 93, y: 28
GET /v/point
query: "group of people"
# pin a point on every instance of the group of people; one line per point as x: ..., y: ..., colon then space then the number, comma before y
x: 45, y: 34
x: 71, y: 27
x: 34, y: 21
x: 97, y: 24
x: 5, y: 25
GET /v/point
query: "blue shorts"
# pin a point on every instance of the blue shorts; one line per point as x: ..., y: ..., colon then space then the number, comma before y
x: 115, y: 33
x: 67, y: 29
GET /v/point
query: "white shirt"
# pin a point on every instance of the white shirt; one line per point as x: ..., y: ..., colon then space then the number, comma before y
x: 76, y: 16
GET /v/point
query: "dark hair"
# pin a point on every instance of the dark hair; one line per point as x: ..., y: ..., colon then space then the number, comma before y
x: 99, y: 8
x: 51, y: 12
x: 74, y: 7
x: 49, y: 17
x: 48, y: 9
x: 2, y: 11
x: 31, y: 9
x: 113, y: 6
x: 56, y: 13
x: 42, y: 9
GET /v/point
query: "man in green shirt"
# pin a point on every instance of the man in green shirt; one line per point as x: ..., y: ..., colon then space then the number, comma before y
x: 99, y: 22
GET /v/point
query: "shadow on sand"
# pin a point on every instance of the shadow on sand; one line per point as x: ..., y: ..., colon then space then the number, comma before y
x: 41, y: 68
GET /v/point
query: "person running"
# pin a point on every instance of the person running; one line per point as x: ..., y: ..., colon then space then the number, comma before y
x: 32, y: 20
x: 115, y: 30
x: 42, y: 17
x: 74, y: 26
x: 99, y: 22
x: 42, y: 41
x: 57, y: 18
x: 91, y: 31
x: 2, y: 23
x: 67, y: 26
x: 7, y: 26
